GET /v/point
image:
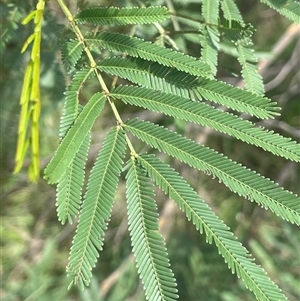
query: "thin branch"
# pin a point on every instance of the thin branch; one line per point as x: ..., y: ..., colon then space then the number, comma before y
x: 285, y: 70
x: 289, y: 35
x: 174, y: 20
x: 174, y: 32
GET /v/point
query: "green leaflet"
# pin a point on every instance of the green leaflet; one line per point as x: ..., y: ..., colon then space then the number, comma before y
x: 205, y: 115
x: 68, y: 197
x: 122, y: 16
x: 151, y: 52
x: 169, y: 80
x: 96, y: 208
x: 149, y: 74
x: 216, y: 231
x: 235, y: 98
x: 240, y: 34
x: 253, y: 80
x: 209, y: 40
x: 209, y: 34
x: 72, y: 102
x: 231, y: 12
x: 69, y: 146
x: 210, y: 11
x: 71, y: 52
x: 288, y: 8
x: 68, y: 191
x: 236, y: 177
x: 147, y: 243
x: 235, y: 31
x: 232, y: 31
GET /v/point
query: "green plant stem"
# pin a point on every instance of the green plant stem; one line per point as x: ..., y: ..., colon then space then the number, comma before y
x: 164, y: 34
x: 198, y: 21
x: 93, y: 64
x: 189, y: 18
x: 173, y: 32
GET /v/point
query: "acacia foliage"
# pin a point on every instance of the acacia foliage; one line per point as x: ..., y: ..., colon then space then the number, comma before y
x: 176, y: 84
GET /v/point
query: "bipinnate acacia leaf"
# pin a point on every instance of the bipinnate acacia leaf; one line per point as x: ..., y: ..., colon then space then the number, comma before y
x: 147, y: 243
x: 137, y: 47
x: 169, y: 80
x: 96, y: 208
x: 73, y: 139
x: 236, y: 177
x: 174, y: 84
x: 122, y: 16
x: 69, y: 187
x: 236, y: 98
x: 205, y: 220
x: 149, y: 74
x: 210, y: 11
x: 200, y: 113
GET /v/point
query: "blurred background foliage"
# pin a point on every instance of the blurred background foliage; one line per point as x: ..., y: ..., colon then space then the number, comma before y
x: 34, y: 246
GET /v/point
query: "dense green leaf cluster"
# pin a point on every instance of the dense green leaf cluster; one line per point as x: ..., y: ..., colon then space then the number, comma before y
x: 170, y: 82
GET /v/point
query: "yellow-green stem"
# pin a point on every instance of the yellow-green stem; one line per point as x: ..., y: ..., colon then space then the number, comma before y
x: 94, y: 66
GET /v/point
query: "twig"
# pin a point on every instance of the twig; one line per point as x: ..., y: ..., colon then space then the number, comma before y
x: 289, y: 35
x: 174, y: 20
